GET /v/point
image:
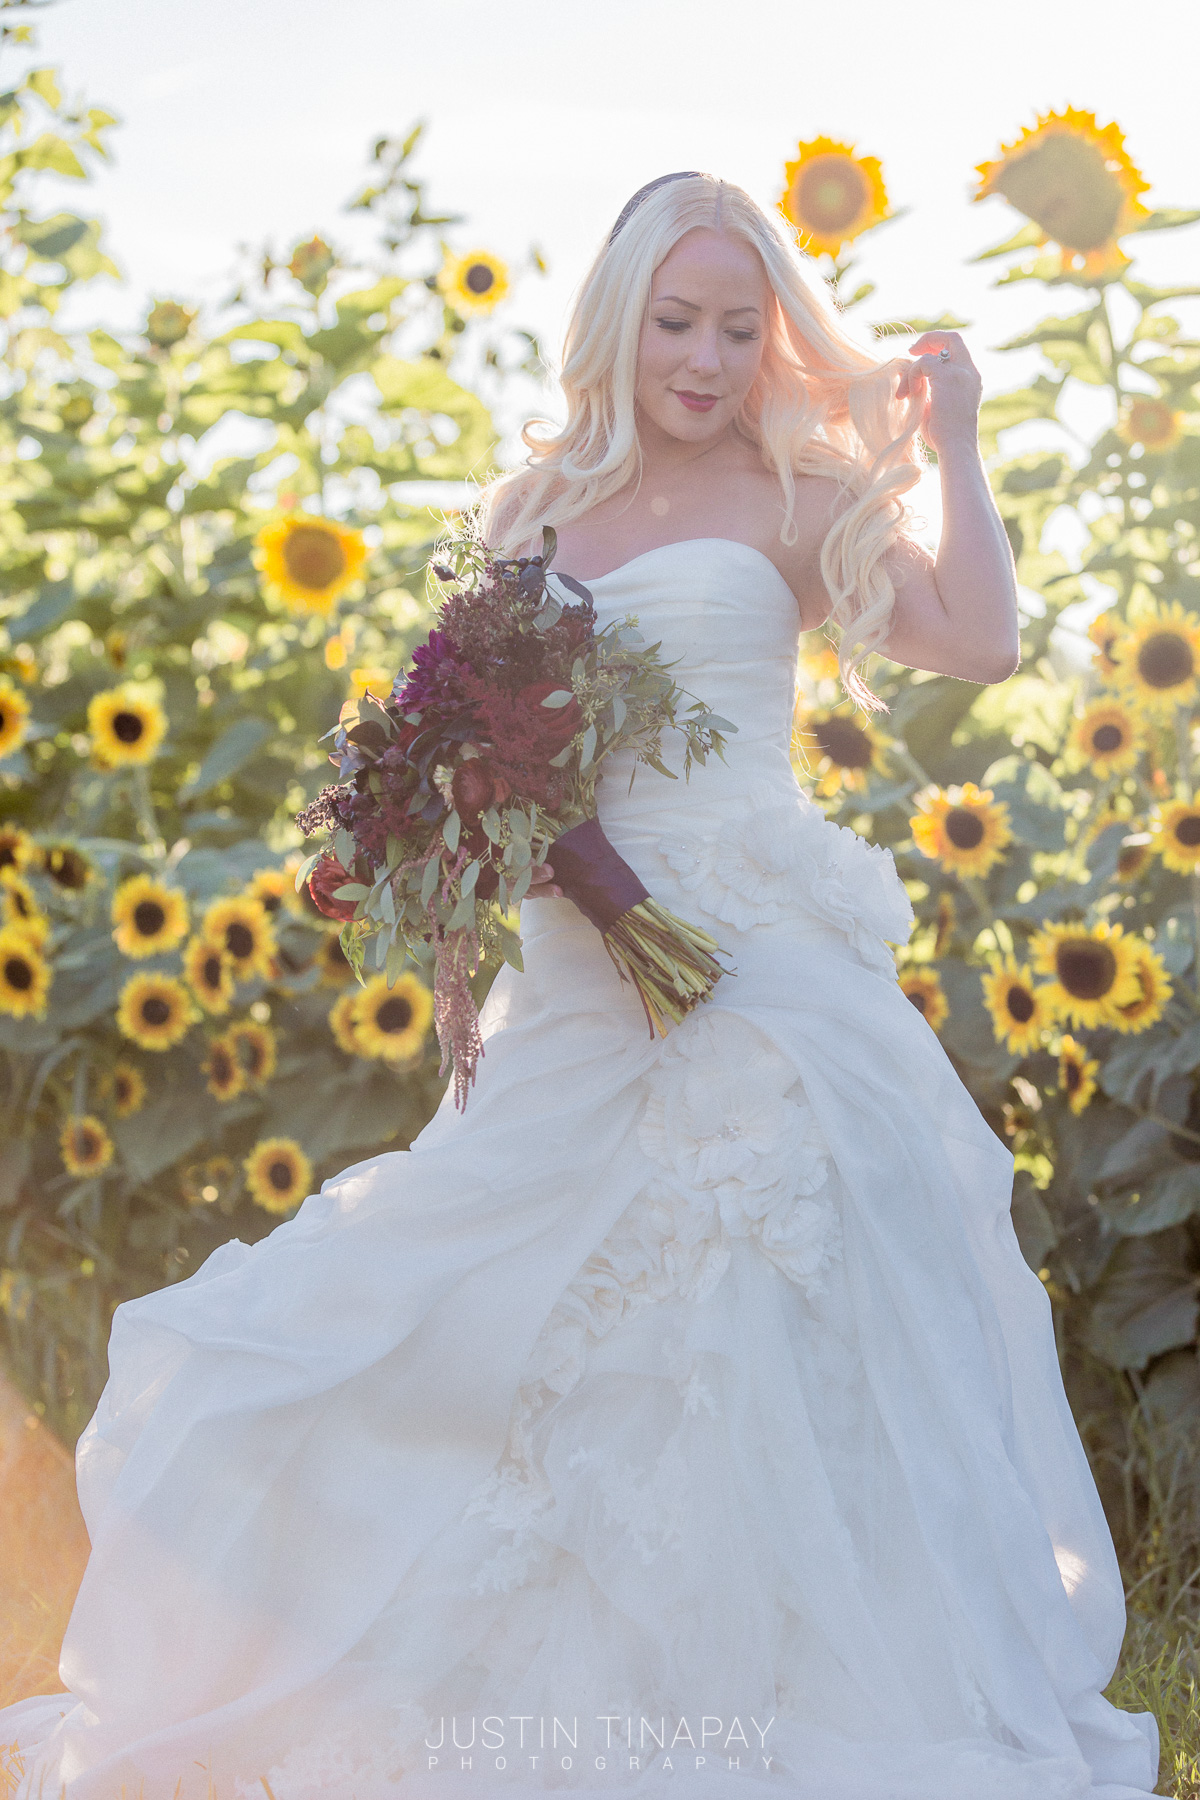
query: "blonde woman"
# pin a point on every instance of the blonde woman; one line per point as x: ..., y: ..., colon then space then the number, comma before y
x: 683, y: 1417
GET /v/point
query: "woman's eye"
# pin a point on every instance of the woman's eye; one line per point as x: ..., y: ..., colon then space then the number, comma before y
x: 673, y: 324
x: 743, y: 337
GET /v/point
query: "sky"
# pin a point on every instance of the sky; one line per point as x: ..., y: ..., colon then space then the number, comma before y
x: 251, y: 120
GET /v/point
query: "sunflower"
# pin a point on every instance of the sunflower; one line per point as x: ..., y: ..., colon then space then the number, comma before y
x: 86, y: 1146
x: 311, y: 264
x: 168, y: 324
x: 336, y: 651
x: 847, y: 749
x: 1075, y: 180
x: 25, y: 975
x: 1018, y: 1009
x: 242, y: 929
x: 14, y: 717
x: 1134, y: 856
x: 1077, y: 1074
x: 224, y: 1071
x: 1093, y: 973
x: 1175, y: 833
x: 1108, y: 736
x: 277, y: 1174
x: 209, y: 973
x: 17, y: 849
x: 274, y: 889
x: 1155, y: 989
x: 332, y: 962
x: 309, y: 562
x: 832, y: 196
x: 67, y: 867
x: 923, y: 986
x: 154, y: 1011
x: 1106, y: 632
x: 126, y: 1088
x: 203, y: 1183
x: 1158, y: 659
x: 19, y: 908
x: 341, y: 1023
x: 370, y: 681
x: 255, y: 1048
x: 148, y: 918
x: 126, y: 728
x: 1150, y: 422
x: 945, y: 922
x: 962, y: 828
x: 392, y: 1022
x: 474, y: 283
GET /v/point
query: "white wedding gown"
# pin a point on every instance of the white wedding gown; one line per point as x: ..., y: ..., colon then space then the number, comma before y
x: 696, y: 1383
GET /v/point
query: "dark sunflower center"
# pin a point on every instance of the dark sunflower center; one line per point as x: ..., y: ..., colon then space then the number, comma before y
x: 240, y: 940
x: 394, y: 1015
x: 1086, y: 969
x: 1107, y: 738
x: 1074, y: 1075
x: 1150, y: 420
x: 479, y: 279
x: 149, y: 917
x: 919, y: 999
x: 3, y: 720
x: 123, y: 1089
x: 281, y: 1175
x: 1020, y: 1004
x: 830, y: 193
x: 252, y: 1055
x: 155, y: 1010
x: 843, y: 742
x: 270, y: 903
x: 222, y: 1067
x: 1165, y: 660
x: 1188, y: 830
x: 313, y: 557
x: 1130, y: 861
x: 963, y: 828
x: 18, y: 974
x: 66, y: 867
x: 87, y: 1144
x: 129, y: 727
x: 210, y: 972
x: 1064, y: 185
x: 8, y: 856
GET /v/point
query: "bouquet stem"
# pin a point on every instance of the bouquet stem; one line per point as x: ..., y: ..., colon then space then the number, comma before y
x: 670, y: 962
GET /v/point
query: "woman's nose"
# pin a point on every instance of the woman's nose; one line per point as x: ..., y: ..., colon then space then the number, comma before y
x: 704, y: 356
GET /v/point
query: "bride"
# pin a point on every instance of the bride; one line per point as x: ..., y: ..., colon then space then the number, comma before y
x: 682, y: 1419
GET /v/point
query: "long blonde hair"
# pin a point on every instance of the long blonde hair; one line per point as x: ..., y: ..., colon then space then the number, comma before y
x: 820, y: 405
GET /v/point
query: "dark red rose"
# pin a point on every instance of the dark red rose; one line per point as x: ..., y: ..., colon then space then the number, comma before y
x: 557, y: 725
x: 474, y: 787
x: 328, y: 876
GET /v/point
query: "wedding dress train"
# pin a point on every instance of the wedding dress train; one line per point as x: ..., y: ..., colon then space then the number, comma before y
x: 682, y: 1419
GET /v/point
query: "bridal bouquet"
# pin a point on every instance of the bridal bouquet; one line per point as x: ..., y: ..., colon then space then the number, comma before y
x: 485, y: 754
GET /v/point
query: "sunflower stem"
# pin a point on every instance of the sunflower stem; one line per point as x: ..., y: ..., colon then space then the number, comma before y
x: 143, y: 807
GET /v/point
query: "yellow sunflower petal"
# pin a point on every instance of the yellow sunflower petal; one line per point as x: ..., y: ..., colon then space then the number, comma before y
x: 309, y: 562
x: 474, y: 283
x: 85, y: 1145
x: 963, y: 828
x: 148, y: 917
x: 1075, y: 180
x: 126, y: 727
x: 1158, y: 659
x: 393, y: 1023
x: 14, y: 717
x: 923, y: 987
x: 1017, y: 1006
x: 831, y: 195
x: 278, y: 1174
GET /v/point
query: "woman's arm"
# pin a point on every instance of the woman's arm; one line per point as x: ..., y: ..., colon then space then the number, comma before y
x: 956, y: 615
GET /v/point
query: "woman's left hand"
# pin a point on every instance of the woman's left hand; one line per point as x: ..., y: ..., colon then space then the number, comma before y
x: 947, y: 389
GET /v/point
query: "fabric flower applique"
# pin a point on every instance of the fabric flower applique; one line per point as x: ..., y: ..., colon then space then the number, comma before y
x: 779, y: 860
x: 727, y: 1121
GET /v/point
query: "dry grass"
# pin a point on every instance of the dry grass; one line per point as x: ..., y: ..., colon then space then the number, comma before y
x: 44, y: 1550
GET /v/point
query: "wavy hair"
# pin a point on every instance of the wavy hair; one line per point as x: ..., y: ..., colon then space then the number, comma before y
x: 820, y: 405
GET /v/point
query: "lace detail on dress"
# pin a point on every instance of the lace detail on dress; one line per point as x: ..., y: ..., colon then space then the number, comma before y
x: 651, y: 1506
x: 779, y: 860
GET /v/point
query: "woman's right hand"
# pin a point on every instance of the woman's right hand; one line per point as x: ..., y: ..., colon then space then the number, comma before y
x: 541, y: 885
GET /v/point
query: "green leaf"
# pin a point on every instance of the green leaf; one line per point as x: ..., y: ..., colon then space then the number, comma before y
x: 559, y: 697
x: 231, y: 751
x: 429, y: 879
x: 49, y: 238
x: 451, y: 831
x: 1166, y: 1199
x: 1147, y: 1302
x: 49, y: 151
x: 42, y: 82
x: 55, y: 602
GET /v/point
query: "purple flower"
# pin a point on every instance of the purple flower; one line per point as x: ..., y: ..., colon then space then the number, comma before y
x: 434, y: 677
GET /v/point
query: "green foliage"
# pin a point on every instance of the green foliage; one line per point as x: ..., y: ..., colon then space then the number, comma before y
x: 129, y: 564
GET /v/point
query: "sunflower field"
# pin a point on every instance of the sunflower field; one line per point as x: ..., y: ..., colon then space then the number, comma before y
x: 1048, y: 829
x: 186, y: 1053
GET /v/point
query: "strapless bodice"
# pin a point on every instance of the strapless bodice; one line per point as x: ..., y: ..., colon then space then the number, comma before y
x: 737, y: 846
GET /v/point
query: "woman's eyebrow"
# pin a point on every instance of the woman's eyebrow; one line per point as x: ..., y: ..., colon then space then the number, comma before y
x: 691, y: 304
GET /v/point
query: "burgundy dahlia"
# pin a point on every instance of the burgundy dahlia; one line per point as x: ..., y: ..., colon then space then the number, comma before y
x: 326, y: 878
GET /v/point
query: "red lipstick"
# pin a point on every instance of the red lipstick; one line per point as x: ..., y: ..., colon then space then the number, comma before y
x: 695, y: 402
